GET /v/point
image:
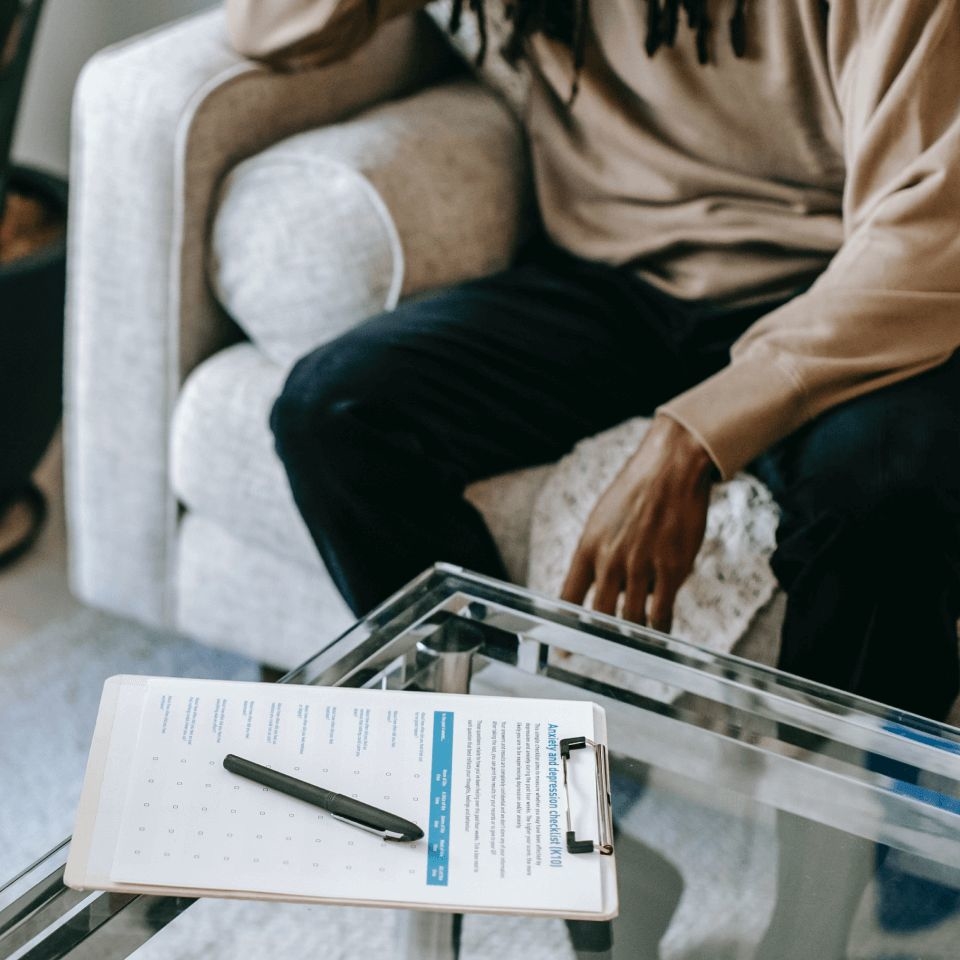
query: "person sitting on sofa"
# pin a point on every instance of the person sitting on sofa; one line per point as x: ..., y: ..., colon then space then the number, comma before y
x: 755, y: 240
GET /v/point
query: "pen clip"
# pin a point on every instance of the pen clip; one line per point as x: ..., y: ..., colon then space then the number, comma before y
x: 392, y: 835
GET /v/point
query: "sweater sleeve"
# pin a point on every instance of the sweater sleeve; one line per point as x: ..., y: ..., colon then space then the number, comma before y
x: 888, y: 305
x: 298, y: 34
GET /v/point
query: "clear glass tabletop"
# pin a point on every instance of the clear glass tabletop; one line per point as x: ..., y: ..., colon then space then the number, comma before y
x: 757, y: 815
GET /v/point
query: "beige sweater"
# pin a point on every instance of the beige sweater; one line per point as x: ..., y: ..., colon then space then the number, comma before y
x: 831, y: 149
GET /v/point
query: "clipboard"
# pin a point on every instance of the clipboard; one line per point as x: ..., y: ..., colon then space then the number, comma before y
x: 457, y: 866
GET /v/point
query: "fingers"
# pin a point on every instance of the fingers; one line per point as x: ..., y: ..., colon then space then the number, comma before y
x: 609, y: 585
x: 579, y: 577
x: 658, y: 594
x: 661, y: 605
x: 644, y: 588
x: 669, y: 579
x: 585, y: 572
x: 609, y: 579
x: 635, y: 600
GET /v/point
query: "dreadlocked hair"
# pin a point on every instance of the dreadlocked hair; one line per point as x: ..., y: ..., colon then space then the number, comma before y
x: 566, y: 21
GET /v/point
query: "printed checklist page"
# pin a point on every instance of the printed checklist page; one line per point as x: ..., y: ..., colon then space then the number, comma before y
x: 481, y: 776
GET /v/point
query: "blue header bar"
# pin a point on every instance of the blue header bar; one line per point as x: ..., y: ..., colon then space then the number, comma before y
x: 438, y: 836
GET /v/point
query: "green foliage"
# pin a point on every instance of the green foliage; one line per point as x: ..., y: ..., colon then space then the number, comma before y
x: 18, y: 27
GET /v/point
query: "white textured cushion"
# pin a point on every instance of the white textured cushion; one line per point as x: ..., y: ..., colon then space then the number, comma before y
x: 243, y: 597
x: 333, y: 226
x: 222, y: 460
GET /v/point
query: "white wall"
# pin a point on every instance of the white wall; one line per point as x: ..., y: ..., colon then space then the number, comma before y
x: 71, y: 31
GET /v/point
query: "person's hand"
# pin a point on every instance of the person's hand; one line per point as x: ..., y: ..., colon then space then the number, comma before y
x: 645, y: 531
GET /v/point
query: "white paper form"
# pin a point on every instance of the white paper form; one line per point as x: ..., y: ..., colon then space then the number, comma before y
x: 482, y: 777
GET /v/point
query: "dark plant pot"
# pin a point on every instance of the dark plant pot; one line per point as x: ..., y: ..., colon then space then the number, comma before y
x: 31, y: 342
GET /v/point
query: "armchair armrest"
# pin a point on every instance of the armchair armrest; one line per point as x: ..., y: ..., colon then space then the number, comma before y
x: 157, y: 122
x: 333, y: 226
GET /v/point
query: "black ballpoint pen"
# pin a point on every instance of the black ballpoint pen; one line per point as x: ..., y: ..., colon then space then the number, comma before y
x: 387, y: 825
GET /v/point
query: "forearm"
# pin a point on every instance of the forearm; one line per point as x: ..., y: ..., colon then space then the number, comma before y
x: 887, y: 307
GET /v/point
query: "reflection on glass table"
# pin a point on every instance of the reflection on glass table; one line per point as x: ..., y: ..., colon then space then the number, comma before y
x: 757, y: 816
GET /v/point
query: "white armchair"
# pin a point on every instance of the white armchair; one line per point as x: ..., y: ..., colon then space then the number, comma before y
x: 224, y: 220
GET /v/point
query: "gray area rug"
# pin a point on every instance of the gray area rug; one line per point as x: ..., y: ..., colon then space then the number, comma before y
x: 50, y: 687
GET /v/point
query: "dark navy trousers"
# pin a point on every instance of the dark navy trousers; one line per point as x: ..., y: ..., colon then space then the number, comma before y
x: 381, y: 430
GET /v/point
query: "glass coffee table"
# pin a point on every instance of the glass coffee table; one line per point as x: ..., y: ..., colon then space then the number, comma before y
x: 756, y: 815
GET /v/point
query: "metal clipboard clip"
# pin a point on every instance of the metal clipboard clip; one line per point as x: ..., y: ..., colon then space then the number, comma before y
x: 604, y: 843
